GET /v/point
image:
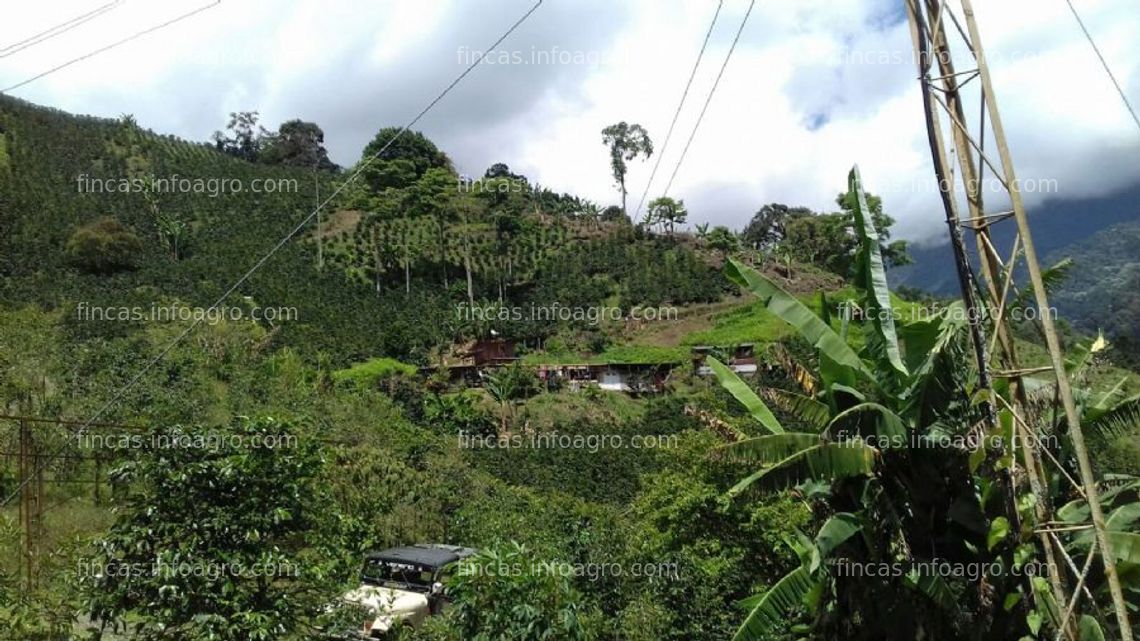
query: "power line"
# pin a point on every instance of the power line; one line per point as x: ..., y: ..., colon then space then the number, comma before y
x: 363, y: 165
x: 669, y: 134
x: 57, y: 30
x: 709, y: 98
x: 111, y: 46
x: 1104, y: 63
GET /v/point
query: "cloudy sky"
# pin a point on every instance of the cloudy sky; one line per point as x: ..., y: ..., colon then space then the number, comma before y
x: 813, y: 87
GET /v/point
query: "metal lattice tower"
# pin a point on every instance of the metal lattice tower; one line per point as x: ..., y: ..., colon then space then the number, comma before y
x: 961, y: 167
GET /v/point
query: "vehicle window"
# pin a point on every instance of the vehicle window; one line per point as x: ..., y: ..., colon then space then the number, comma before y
x: 385, y: 572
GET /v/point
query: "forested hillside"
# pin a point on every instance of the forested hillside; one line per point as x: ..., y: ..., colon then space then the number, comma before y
x: 1101, y: 290
x: 386, y: 286
x: 1097, y: 234
x: 711, y: 473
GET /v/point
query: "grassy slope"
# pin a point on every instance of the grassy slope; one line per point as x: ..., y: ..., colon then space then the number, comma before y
x: 744, y: 320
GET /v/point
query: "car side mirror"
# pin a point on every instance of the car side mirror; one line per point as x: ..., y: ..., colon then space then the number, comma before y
x: 436, y: 588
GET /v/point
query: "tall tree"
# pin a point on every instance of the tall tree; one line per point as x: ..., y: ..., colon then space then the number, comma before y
x: 244, y: 138
x: 894, y: 252
x: 668, y: 212
x: 397, y: 160
x: 768, y: 225
x: 432, y: 196
x: 824, y: 240
x: 297, y: 143
x: 470, y: 212
x: 501, y: 170
x: 625, y: 142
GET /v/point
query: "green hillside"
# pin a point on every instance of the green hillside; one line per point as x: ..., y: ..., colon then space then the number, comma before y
x: 1102, y: 289
x: 347, y: 310
x: 696, y: 508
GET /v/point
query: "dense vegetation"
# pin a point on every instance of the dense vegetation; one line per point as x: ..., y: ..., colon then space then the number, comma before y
x: 319, y: 438
x: 1102, y: 288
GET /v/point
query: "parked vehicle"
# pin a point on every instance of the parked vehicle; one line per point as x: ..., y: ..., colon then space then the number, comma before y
x: 403, y: 585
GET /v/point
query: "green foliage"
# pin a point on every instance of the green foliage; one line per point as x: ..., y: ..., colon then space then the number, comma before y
x: 215, y: 541
x: 842, y: 363
x: 722, y: 549
x: 507, y: 592
x: 1101, y: 288
x: 104, y: 246
x: 34, y: 616
x: 385, y: 298
x: 723, y: 239
x: 370, y: 372
x: 396, y: 160
x: 871, y: 206
x: 882, y: 393
x: 459, y: 413
x: 768, y: 226
x: 828, y: 240
x: 872, y: 277
x: 5, y: 159
x: 588, y: 458
x: 245, y: 138
x: 667, y: 212
x: 821, y: 239
x: 335, y: 315
x: 30, y: 367
x: 744, y: 394
x: 297, y: 144
x: 625, y: 142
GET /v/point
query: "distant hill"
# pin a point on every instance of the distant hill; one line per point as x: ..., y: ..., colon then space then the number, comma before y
x: 1102, y: 290
x: 1056, y: 225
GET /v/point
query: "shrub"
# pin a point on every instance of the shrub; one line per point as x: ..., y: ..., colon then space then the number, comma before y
x: 104, y: 247
x: 545, y: 604
x: 370, y: 372
x: 452, y: 414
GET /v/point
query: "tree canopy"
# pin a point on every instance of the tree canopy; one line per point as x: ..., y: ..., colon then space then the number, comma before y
x: 625, y: 142
x: 297, y: 143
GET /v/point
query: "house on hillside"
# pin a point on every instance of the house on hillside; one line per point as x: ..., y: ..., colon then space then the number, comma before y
x: 742, y: 359
x: 635, y: 378
x: 493, y: 352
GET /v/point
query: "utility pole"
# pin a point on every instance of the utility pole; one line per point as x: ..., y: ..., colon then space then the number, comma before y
x: 943, y: 90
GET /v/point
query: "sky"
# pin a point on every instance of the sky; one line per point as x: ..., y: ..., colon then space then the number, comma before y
x: 813, y: 87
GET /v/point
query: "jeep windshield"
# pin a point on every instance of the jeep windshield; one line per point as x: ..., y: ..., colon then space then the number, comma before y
x: 396, y: 574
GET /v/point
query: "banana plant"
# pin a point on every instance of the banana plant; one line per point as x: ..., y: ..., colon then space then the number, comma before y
x: 868, y: 431
x: 1105, y: 417
x: 802, y: 586
x: 1119, y: 498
